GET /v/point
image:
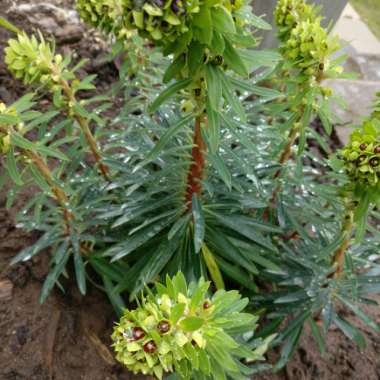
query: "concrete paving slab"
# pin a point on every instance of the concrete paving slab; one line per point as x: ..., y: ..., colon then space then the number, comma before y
x: 351, y: 28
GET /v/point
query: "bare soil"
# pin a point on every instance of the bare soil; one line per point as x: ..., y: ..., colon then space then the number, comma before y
x: 68, y: 338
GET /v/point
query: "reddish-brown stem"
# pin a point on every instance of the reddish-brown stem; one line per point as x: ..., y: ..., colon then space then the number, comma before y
x: 83, y: 124
x: 285, y: 157
x: 197, y: 166
x: 59, y: 194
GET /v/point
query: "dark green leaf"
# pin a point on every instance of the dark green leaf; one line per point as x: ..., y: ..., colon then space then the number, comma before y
x: 115, y: 298
x: 80, y: 271
x: 214, y: 86
x: 222, y: 169
x: 317, y: 336
x: 222, y: 20
x: 289, y: 347
x: 199, y: 223
x: 174, y: 69
x: 168, y: 92
x: 230, y: 96
x: 203, y: 25
x: 54, y: 273
x: 233, y: 59
x: 164, y: 140
x: 350, y: 331
x: 12, y: 167
x: 153, y: 265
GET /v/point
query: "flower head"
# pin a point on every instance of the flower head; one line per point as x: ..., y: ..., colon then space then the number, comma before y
x: 103, y: 14
x: 162, y: 21
x: 362, y: 155
x: 166, y: 21
x: 289, y: 13
x: 181, y: 329
x: 32, y: 60
x: 308, y: 47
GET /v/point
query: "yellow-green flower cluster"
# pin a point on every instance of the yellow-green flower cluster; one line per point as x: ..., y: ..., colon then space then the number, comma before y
x: 106, y: 15
x: 289, y: 13
x: 362, y: 155
x: 308, y: 47
x: 165, y: 21
x: 33, y: 60
x: 305, y: 44
x: 161, y: 21
x: 181, y: 329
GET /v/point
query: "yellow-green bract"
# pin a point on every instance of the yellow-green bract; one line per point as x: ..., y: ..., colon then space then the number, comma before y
x: 162, y: 21
x: 180, y: 328
x: 33, y: 60
x: 309, y: 47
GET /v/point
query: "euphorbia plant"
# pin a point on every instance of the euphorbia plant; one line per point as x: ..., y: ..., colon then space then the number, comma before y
x: 329, y: 267
x: 307, y: 50
x: 207, y: 43
x: 67, y: 176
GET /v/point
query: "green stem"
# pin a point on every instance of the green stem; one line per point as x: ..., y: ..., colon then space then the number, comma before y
x: 287, y: 152
x: 84, y: 126
x: 59, y: 194
x: 338, y: 258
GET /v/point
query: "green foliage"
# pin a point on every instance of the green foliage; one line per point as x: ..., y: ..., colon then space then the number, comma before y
x: 180, y: 328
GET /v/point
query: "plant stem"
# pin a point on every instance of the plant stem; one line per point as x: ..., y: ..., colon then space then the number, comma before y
x: 287, y: 152
x: 338, y: 258
x: 59, y: 194
x: 83, y: 124
x: 285, y: 156
x: 196, y: 170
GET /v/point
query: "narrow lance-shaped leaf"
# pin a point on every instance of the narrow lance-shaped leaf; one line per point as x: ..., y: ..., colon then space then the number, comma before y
x: 164, y: 140
x: 213, y: 130
x: 80, y: 271
x: 54, y: 273
x: 12, y: 167
x: 168, y: 92
x: 214, y: 86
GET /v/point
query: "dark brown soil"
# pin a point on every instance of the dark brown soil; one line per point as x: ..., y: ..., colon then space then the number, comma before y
x: 67, y: 338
